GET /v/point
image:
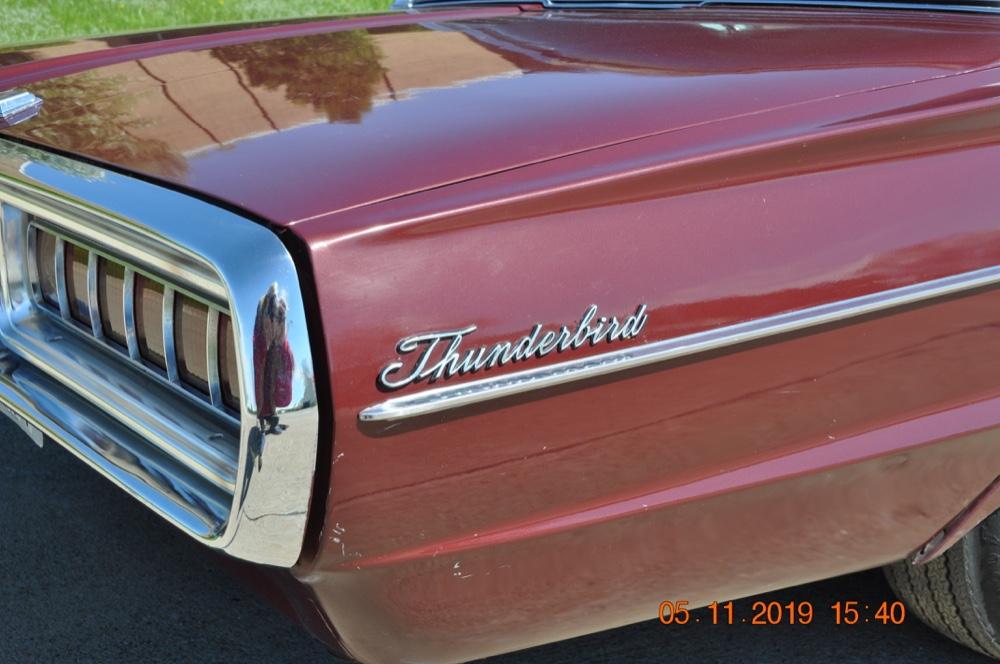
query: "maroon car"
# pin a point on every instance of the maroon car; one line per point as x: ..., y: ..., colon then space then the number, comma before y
x: 475, y: 326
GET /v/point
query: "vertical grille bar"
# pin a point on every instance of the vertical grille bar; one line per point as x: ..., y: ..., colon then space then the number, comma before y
x: 32, y: 248
x: 128, y: 303
x: 61, y: 292
x: 169, y: 348
x: 212, y: 356
x: 92, y: 298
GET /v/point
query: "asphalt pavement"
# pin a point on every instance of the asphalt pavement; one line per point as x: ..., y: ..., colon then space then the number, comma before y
x: 89, y: 575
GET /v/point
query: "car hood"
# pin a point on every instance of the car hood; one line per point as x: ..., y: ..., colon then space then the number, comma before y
x: 290, y: 121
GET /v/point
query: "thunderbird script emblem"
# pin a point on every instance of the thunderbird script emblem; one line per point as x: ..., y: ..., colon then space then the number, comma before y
x: 439, y: 355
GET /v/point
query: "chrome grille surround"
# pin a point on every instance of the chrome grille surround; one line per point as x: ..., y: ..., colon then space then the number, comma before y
x: 238, y: 481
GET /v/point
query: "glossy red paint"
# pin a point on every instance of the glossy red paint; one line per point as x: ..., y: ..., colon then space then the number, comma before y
x: 777, y: 169
x: 718, y: 476
x: 37, y: 63
x: 360, y: 110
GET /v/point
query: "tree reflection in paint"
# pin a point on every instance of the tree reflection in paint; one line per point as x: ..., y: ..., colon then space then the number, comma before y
x: 335, y: 73
x: 96, y: 119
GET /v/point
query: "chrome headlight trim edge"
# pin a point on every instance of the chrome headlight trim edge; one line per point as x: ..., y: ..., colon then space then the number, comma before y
x: 229, y: 257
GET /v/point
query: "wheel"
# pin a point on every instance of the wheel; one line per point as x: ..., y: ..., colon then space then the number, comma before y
x: 958, y: 593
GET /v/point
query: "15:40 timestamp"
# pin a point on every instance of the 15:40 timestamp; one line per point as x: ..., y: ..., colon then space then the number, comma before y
x: 848, y: 612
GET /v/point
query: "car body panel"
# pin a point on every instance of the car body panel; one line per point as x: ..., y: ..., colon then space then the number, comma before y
x: 365, y: 109
x: 715, y: 186
x: 709, y: 226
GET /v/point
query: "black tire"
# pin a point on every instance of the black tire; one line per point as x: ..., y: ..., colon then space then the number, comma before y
x: 958, y: 593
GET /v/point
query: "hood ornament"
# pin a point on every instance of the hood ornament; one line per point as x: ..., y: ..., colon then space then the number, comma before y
x: 16, y: 107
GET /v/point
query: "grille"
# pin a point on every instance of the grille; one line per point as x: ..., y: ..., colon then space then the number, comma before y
x: 136, y: 324
x: 172, y: 333
x: 103, y: 324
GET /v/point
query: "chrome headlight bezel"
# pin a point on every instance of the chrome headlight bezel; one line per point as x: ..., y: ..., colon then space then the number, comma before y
x: 228, y: 260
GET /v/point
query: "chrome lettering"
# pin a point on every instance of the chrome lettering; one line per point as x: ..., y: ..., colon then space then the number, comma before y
x: 439, y: 355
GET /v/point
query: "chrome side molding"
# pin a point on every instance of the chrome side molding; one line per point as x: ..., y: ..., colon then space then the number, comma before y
x: 239, y: 481
x: 485, y: 389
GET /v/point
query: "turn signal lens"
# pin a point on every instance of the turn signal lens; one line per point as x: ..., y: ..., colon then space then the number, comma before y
x: 45, y: 261
x: 76, y: 282
x: 228, y: 370
x: 110, y: 299
x: 149, y: 320
x: 191, y: 337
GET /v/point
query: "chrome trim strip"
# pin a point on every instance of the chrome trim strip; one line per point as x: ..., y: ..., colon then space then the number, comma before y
x: 169, y: 350
x: 61, y: 291
x: 118, y: 453
x: 128, y: 305
x: 212, y: 356
x: 126, y: 243
x: 242, y: 483
x: 93, y: 301
x: 464, y: 394
x: 137, y: 263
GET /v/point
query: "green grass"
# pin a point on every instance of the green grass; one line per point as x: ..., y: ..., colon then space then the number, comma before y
x: 23, y: 21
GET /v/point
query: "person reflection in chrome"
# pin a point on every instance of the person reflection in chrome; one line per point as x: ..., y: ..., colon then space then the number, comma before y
x: 273, y: 364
